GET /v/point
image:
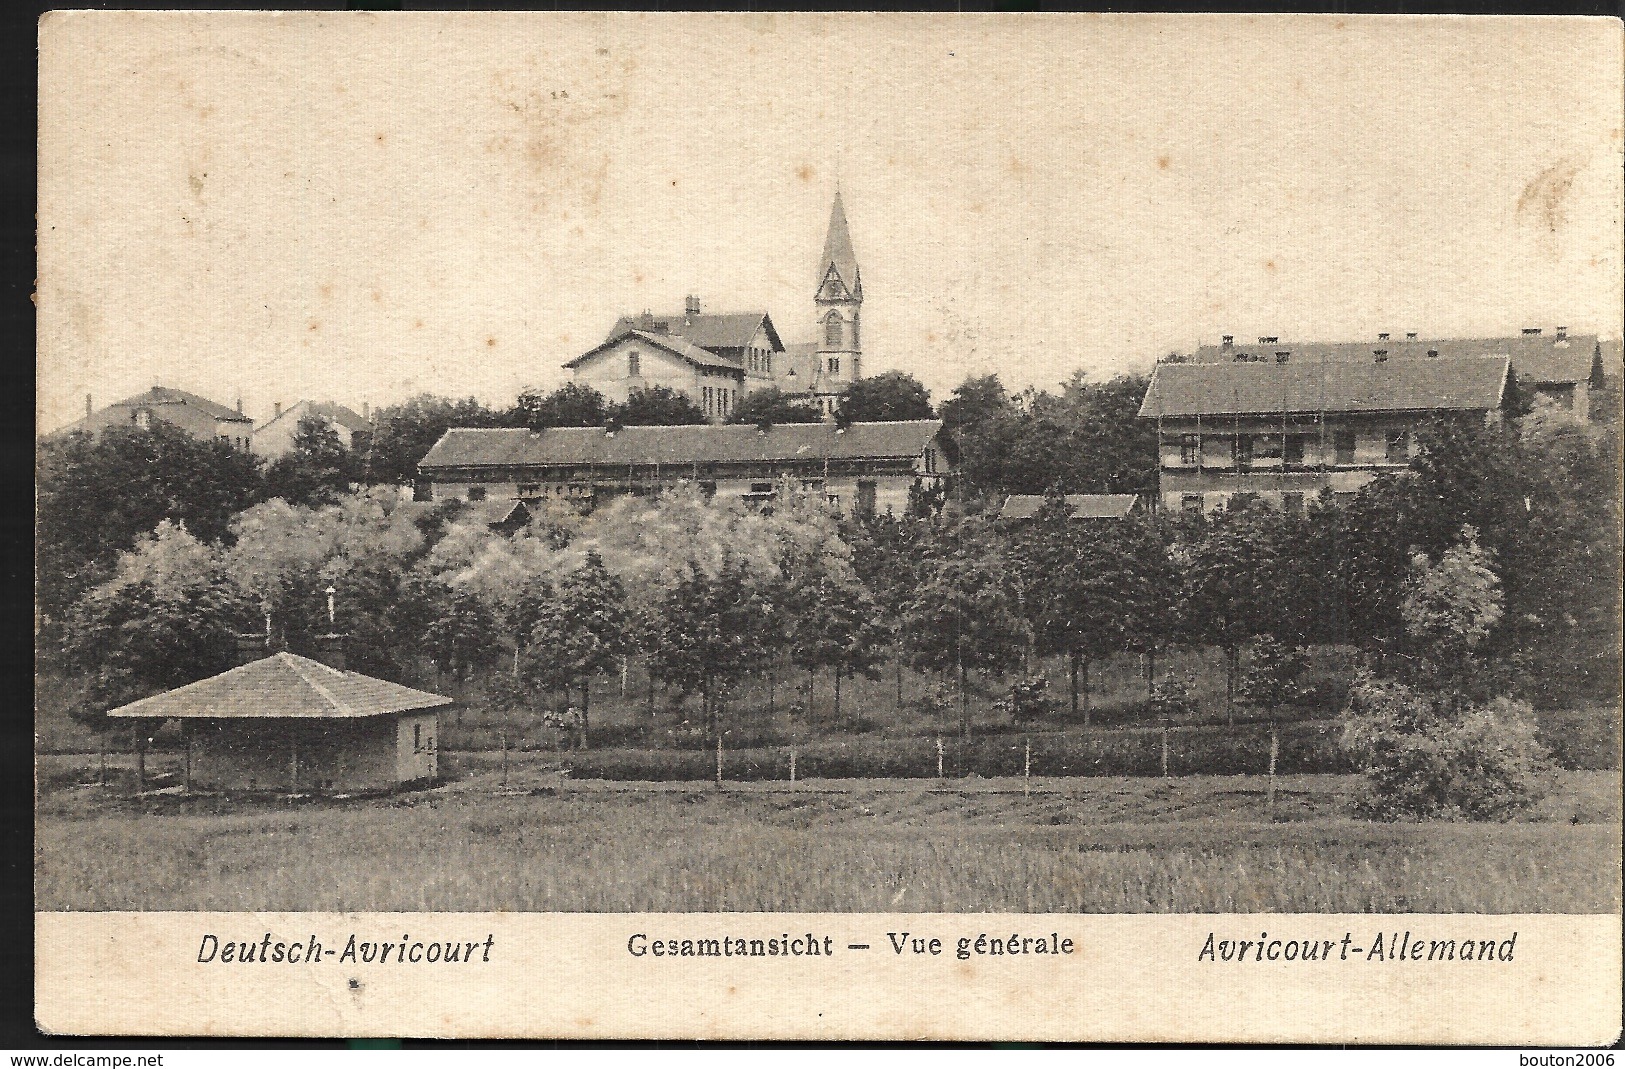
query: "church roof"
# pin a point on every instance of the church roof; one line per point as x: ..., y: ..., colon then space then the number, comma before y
x: 729, y: 330
x: 838, y: 255
x: 1540, y: 358
x: 1463, y: 383
x: 677, y: 446
x: 672, y: 343
x: 283, y: 686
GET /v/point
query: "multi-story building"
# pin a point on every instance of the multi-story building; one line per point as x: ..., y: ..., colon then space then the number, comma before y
x: 1280, y: 429
x: 717, y: 359
x: 197, y: 416
x: 865, y: 468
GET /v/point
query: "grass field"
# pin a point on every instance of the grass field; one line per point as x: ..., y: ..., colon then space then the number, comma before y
x: 1193, y: 844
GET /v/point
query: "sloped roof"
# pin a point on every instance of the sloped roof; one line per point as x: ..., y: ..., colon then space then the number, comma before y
x: 1084, y: 506
x: 165, y: 395
x: 677, y: 446
x: 838, y: 254
x: 802, y: 359
x: 1468, y: 383
x: 1539, y: 358
x: 728, y: 330
x: 283, y: 686
x: 332, y: 411
x: 672, y: 344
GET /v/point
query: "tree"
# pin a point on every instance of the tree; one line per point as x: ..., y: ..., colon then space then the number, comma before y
x: 96, y: 496
x: 580, y: 632
x: 404, y: 433
x: 167, y: 617
x: 1228, y: 590
x: 315, y: 471
x: 833, y: 625
x: 571, y: 405
x: 656, y: 406
x: 963, y: 619
x: 461, y: 634
x: 975, y: 403
x: 771, y: 407
x: 1272, y: 679
x: 889, y: 396
x: 1450, y: 606
x: 708, y: 633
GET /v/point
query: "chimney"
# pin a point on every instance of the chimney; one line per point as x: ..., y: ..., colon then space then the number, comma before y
x: 1380, y: 354
x: 691, y: 306
x: 1410, y: 335
x: 366, y: 412
x: 1228, y: 342
x: 277, y: 407
x: 251, y: 646
x: 239, y: 404
x: 1531, y: 330
x: 330, y: 650
x: 87, y: 406
x: 1562, y: 333
x: 1383, y: 336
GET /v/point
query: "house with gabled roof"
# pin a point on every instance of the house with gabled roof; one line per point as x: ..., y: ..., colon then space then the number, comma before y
x: 292, y: 724
x: 719, y: 358
x: 1283, y: 430
x: 274, y: 436
x: 198, y: 416
x: 865, y: 468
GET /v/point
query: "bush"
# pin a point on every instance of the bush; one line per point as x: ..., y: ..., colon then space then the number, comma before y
x: 1423, y: 757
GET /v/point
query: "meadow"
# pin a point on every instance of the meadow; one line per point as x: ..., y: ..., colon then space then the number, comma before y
x: 1188, y: 844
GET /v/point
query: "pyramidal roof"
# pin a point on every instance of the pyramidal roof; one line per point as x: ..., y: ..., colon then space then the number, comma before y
x: 838, y: 254
x: 282, y: 686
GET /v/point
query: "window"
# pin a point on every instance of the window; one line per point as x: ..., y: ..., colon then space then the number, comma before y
x: 1343, y: 445
x: 834, y: 365
x: 1190, y: 449
x: 422, y: 490
x: 633, y: 365
x: 866, y: 497
x: 1292, y: 503
x: 143, y: 419
x: 417, y: 738
x: 832, y: 329
x: 930, y: 461
x: 767, y: 363
x: 708, y: 488
x: 812, y: 484
x: 1241, y: 501
x: 530, y: 489
x: 1398, y: 445
x: 476, y: 493
x: 1293, y: 452
x: 1243, y: 450
x: 1190, y: 502
x: 761, y: 488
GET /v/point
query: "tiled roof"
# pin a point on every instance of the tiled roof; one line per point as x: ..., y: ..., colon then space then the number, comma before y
x: 1471, y: 383
x: 700, y: 444
x: 672, y: 344
x: 1084, y: 506
x: 164, y: 395
x: 1536, y: 357
x: 283, y: 686
x: 801, y: 358
x: 730, y: 330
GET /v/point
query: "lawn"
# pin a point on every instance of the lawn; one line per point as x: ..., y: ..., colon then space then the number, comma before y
x: 1191, y: 844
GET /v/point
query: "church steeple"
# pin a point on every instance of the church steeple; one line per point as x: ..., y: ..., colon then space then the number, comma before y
x: 837, y: 301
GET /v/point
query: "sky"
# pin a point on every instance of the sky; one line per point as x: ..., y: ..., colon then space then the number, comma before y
x: 362, y: 207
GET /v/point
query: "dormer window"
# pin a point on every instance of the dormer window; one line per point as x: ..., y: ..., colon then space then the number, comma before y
x: 633, y: 365
x: 143, y: 419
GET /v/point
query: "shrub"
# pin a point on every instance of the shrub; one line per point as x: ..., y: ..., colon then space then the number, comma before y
x: 1423, y: 757
x: 1171, y: 698
x: 1027, y: 701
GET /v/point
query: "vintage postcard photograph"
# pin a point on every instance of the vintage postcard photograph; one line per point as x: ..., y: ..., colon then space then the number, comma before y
x: 814, y: 526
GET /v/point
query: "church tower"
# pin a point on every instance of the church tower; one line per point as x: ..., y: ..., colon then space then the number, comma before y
x: 838, y: 302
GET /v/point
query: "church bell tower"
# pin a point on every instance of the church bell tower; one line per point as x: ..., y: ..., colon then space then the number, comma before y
x: 838, y: 302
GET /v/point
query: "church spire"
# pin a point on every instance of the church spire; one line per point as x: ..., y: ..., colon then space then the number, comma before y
x: 838, y: 276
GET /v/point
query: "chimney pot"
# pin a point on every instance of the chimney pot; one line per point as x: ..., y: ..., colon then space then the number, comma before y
x: 1562, y: 332
x: 239, y: 404
x: 87, y: 406
x: 366, y: 412
x: 1229, y: 341
x: 277, y: 407
x: 1410, y: 335
x: 1383, y: 336
x: 691, y: 306
x: 1531, y: 330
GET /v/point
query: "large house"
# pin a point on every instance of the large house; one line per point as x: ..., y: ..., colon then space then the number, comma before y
x: 275, y: 436
x: 865, y: 468
x: 717, y: 359
x: 1562, y: 366
x: 198, y: 416
x: 1283, y: 429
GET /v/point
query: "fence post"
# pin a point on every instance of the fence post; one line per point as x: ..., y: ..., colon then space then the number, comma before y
x: 101, y: 745
x: 1275, y: 752
x: 1165, y: 747
x: 719, y: 759
x: 504, y: 757
x: 1026, y: 767
x: 939, y: 756
x: 792, y: 764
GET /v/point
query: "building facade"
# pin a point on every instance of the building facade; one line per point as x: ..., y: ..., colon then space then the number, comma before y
x: 864, y: 468
x: 275, y: 436
x: 1281, y: 431
x: 719, y: 358
x: 198, y: 416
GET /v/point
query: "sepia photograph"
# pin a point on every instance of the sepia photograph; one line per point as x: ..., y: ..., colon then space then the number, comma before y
x: 831, y: 464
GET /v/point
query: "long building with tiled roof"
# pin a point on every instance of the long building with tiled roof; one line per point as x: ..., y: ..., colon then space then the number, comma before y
x: 862, y: 467
x: 1284, y: 429
x: 717, y: 359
